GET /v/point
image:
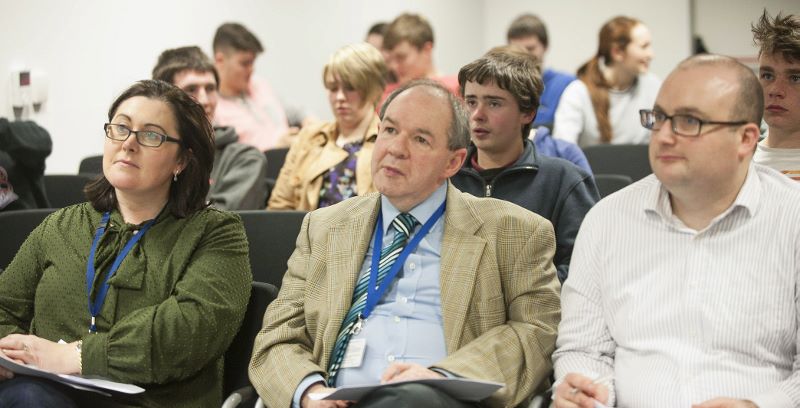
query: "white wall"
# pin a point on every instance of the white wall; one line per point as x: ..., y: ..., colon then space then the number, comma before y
x: 726, y: 29
x: 92, y: 49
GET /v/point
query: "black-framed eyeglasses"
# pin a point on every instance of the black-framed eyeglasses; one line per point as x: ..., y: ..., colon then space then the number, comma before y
x: 684, y: 125
x: 148, y: 138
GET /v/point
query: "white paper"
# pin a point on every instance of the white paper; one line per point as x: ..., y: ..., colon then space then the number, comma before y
x: 83, y: 383
x: 459, y: 388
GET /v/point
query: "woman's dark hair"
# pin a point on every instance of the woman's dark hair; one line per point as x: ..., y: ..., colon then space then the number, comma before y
x: 188, y: 194
x: 616, y: 33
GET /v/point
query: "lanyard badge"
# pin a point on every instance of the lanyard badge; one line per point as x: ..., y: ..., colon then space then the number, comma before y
x: 376, y: 292
x: 96, y: 304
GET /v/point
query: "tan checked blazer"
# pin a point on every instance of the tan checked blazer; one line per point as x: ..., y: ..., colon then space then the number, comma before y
x: 499, y: 296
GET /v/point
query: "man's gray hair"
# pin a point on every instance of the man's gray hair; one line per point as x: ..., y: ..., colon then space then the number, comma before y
x: 458, y: 133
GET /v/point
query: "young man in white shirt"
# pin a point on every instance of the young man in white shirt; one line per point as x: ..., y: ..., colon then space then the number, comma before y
x: 779, y: 72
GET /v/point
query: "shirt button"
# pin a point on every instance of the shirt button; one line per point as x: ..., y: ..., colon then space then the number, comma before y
x: 397, y: 319
x: 390, y: 358
x: 404, y: 299
x: 412, y: 266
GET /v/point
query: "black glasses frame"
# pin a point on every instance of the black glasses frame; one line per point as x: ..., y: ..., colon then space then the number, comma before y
x: 645, y: 113
x: 164, y: 138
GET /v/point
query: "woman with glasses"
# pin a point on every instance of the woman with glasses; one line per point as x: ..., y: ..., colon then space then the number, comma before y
x: 603, y: 105
x: 330, y: 162
x: 144, y: 283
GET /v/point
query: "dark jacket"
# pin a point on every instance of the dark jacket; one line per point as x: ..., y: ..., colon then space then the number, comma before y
x: 553, y: 188
x: 24, y: 146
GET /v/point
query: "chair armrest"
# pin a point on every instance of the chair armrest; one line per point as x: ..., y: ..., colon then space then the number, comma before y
x: 237, y: 397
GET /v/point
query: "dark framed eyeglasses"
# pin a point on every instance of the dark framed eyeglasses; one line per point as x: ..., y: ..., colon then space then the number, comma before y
x: 147, y: 138
x: 683, y: 125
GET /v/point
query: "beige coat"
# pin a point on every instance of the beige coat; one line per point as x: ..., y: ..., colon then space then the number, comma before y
x: 499, y: 296
x: 309, y: 158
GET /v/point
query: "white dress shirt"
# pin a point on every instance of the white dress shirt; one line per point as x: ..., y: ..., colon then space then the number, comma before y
x: 682, y: 316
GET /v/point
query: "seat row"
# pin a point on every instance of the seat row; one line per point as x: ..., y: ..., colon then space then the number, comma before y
x: 271, y: 235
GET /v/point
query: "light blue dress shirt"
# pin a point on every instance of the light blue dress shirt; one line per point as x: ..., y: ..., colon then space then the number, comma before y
x: 406, y: 325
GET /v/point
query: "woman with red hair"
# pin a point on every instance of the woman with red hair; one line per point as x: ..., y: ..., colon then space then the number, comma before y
x: 603, y: 106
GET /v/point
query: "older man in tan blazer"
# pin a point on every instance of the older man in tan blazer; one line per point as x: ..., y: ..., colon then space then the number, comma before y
x: 494, y: 299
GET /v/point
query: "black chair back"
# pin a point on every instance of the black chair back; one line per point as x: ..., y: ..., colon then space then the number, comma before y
x: 609, y: 183
x: 272, y: 236
x: 91, y: 165
x: 275, y: 160
x: 626, y: 159
x: 237, y: 357
x: 15, y: 226
x: 66, y: 189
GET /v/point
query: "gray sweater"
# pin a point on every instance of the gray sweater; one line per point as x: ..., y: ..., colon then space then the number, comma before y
x: 238, y: 179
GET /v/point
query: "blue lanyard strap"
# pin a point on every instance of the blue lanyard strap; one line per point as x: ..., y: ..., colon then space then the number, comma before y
x: 374, y: 294
x: 97, y: 304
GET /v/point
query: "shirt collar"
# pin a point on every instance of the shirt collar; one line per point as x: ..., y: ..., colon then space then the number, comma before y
x: 422, y: 211
x: 748, y: 198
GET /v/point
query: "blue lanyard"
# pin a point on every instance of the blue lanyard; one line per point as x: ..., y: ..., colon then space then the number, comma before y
x: 97, y: 304
x: 374, y: 294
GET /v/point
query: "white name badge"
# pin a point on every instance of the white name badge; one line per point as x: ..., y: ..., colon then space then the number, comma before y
x: 354, y: 353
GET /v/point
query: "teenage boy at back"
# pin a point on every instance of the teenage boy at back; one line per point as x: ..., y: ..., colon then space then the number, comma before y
x: 501, y: 91
x: 778, y: 40
x: 408, y: 47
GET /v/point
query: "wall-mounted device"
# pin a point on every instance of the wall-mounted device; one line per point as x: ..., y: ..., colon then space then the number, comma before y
x: 28, y: 92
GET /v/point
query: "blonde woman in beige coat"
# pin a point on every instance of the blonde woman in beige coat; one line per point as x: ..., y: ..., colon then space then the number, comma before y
x: 330, y: 161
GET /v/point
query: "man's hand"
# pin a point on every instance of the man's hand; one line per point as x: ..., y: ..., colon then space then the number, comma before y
x: 726, y: 403
x: 306, y: 402
x: 579, y: 391
x: 407, y: 372
x: 45, y: 354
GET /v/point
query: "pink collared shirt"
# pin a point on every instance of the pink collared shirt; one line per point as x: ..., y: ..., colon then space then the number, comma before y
x: 258, y: 117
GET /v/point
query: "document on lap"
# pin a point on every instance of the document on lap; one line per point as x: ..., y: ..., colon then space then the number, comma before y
x: 98, y: 385
x: 459, y: 388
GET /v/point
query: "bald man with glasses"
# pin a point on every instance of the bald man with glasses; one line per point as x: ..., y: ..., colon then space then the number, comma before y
x: 682, y: 288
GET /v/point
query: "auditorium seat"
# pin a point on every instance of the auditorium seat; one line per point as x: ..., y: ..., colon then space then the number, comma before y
x: 610, y: 183
x: 275, y: 160
x: 63, y: 190
x: 91, y: 165
x: 626, y: 159
x: 272, y: 236
x: 236, y: 383
x: 15, y: 227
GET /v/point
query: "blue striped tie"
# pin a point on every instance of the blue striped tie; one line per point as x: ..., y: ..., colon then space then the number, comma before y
x: 403, y: 224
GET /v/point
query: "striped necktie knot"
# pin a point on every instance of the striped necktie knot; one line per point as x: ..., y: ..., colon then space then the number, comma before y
x: 404, y: 224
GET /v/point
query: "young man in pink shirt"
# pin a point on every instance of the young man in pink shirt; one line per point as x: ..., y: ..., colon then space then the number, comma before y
x: 408, y: 47
x: 246, y: 103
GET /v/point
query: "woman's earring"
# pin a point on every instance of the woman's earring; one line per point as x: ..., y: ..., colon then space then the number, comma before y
x: 175, y: 177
